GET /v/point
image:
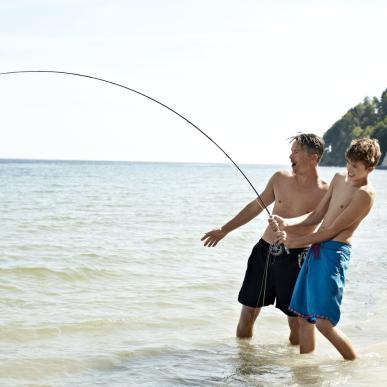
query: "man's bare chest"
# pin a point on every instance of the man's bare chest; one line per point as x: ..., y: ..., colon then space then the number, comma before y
x: 294, y: 202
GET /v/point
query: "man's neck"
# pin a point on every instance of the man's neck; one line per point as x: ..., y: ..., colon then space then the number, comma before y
x: 307, y: 178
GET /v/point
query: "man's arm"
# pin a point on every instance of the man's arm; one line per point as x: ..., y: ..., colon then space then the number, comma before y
x: 354, y: 213
x: 248, y: 213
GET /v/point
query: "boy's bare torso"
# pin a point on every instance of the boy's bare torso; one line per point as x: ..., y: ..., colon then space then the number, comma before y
x: 293, y: 198
x: 343, y: 193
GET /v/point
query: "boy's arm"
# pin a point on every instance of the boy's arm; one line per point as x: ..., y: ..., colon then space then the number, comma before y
x: 354, y: 213
x: 278, y: 223
x: 248, y: 213
x: 317, y: 215
x: 297, y: 224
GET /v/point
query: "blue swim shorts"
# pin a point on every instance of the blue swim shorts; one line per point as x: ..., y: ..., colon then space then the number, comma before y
x: 319, y: 288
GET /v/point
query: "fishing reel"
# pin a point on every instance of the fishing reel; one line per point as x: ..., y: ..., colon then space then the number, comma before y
x: 277, y: 249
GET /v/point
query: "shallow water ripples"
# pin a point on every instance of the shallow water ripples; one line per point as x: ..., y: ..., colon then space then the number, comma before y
x: 104, y: 282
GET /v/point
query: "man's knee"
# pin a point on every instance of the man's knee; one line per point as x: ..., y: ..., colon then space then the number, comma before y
x: 249, y: 314
x: 244, y: 331
x: 246, y: 321
x: 294, y: 337
x: 293, y: 323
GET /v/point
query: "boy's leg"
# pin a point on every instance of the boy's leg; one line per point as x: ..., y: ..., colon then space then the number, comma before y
x: 307, y: 336
x: 246, y: 322
x: 337, y: 338
x: 294, y: 326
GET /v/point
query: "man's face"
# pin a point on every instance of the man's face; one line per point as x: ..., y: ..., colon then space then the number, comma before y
x: 357, y: 170
x: 300, y: 158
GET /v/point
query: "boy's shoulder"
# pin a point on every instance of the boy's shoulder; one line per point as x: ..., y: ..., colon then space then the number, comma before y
x: 364, y: 195
x: 368, y: 190
x: 338, y: 178
x: 340, y: 181
x: 363, y: 199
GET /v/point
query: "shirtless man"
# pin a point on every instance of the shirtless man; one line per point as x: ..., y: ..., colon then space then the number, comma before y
x: 270, y: 279
x: 319, y: 289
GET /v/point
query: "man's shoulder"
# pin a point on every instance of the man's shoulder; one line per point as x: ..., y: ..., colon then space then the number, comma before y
x: 282, y: 174
x: 281, y: 178
x: 323, y: 185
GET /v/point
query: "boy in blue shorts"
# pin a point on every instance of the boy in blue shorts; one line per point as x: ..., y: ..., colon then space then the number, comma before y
x: 319, y: 288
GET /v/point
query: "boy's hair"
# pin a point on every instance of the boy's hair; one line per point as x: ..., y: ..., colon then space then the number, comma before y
x: 312, y: 143
x: 366, y: 150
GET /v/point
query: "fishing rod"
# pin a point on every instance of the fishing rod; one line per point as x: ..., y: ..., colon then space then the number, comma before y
x: 259, y: 201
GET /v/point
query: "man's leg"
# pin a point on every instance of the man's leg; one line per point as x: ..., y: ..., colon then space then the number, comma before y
x: 294, y: 326
x: 337, y: 338
x: 307, y: 336
x: 246, y: 322
x: 287, y: 270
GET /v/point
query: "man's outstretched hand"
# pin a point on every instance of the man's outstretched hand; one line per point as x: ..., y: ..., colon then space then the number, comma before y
x: 212, y: 237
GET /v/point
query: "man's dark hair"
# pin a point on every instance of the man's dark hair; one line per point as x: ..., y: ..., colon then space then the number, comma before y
x: 312, y: 143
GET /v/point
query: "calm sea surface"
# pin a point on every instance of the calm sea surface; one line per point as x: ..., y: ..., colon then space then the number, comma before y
x: 104, y: 281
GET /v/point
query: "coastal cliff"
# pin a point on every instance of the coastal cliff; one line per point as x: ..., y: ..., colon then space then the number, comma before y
x: 366, y: 119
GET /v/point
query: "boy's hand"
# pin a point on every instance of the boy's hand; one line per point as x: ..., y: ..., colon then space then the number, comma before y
x: 212, y: 237
x: 282, y: 237
x: 277, y: 223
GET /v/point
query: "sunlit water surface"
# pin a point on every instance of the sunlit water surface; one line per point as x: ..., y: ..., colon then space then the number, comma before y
x: 104, y: 282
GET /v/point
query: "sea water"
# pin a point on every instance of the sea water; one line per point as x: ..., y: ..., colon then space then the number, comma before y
x: 104, y: 281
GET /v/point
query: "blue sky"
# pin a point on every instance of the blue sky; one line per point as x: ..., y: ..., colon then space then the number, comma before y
x: 249, y: 73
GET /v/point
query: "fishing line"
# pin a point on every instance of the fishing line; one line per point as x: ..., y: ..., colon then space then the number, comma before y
x: 275, y: 249
x: 260, y: 202
x: 263, y: 285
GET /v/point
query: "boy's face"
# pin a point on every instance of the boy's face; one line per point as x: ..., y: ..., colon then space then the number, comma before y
x: 357, y: 170
x: 300, y: 158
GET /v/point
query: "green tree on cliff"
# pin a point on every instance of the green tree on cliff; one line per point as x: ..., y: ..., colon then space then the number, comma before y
x: 368, y: 118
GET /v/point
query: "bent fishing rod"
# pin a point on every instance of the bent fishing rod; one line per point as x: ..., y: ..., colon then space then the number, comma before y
x: 259, y: 201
